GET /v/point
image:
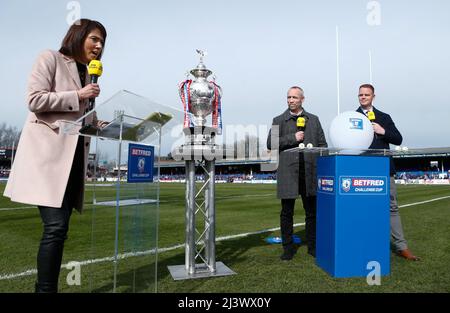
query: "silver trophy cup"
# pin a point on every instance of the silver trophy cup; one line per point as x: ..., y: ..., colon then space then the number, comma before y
x: 202, y: 95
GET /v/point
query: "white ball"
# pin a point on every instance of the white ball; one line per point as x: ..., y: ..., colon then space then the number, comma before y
x: 405, y: 148
x: 351, y: 130
x: 301, y: 145
x: 398, y: 148
x: 309, y: 145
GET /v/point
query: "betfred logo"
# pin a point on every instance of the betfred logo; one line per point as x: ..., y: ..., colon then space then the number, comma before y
x: 139, y: 152
x: 367, y: 182
x: 363, y: 185
x: 325, y: 184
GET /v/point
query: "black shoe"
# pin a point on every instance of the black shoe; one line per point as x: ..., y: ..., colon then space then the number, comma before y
x: 288, y: 254
x: 312, y: 252
x: 45, y: 288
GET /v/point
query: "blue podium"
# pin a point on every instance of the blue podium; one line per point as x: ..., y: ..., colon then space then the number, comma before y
x: 353, y: 223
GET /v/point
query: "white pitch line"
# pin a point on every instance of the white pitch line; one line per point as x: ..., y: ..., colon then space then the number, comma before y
x: 18, y: 208
x: 17, y: 275
x: 131, y: 254
x: 422, y: 202
x: 253, y: 233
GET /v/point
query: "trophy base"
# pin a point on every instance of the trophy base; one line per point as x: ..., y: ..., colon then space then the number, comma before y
x: 200, y: 130
x: 179, y: 272
x: 200, y: 135
x: 198, y: 152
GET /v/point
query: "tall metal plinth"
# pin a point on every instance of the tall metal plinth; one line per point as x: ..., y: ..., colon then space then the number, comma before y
x: 200, y: 153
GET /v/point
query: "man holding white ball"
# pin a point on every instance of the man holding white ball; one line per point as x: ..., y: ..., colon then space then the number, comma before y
x: 386, y: 133
x: 296, y: 174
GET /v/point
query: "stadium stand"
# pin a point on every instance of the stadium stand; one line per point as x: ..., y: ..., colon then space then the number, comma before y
x: 418, y: 169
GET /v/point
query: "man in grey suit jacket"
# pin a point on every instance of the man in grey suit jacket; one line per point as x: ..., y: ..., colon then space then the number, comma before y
x: 296, y: 173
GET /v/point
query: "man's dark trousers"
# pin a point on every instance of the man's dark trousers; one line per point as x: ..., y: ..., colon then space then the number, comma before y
x: 287, y: 221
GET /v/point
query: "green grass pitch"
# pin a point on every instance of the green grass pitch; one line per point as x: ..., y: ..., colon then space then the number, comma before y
x: 240, y: 208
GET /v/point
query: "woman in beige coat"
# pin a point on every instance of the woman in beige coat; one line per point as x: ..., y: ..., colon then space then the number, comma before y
x: 50, y: 166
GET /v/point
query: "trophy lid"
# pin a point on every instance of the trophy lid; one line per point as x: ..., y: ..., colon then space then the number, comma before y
x: 201, y: 70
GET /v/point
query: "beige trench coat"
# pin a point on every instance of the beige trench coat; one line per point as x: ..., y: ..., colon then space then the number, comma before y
x: 44, y: 154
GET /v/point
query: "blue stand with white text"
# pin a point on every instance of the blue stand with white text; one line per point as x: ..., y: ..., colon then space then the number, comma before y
x: 353, y: 223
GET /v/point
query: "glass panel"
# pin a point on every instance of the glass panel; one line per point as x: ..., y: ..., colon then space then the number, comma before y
x: 124, y: 225
x: 136, y: 271
x: 140, y: 115
x: 123, y: 216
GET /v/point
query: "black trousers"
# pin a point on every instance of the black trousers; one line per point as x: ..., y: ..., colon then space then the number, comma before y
x: 287, y: 221
x: 56, y: 226
x: 49, y: 258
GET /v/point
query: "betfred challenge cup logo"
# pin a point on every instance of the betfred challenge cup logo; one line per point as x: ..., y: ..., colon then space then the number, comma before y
x: 346, y: 184
x: 356, y: 123
x: 367, y: 185
x: 141, y: 165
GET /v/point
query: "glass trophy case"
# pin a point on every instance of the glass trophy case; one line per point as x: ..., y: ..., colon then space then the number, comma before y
x: 121, y: 210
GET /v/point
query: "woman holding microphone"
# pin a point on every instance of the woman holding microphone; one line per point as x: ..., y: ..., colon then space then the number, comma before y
x: 50, y: 166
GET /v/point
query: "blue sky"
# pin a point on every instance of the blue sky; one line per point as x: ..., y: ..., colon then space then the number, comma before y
x: 257, y: 49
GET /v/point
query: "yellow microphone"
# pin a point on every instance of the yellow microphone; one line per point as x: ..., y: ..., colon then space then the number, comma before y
x: 371, y: 116
x: 95, y: 70
x: 301, y: 121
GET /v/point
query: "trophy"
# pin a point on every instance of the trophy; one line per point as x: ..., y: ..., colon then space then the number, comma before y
x: 200, y: 98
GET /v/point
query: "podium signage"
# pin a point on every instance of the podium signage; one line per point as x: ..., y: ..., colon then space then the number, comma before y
x: 362, y: 185
x: 325, y: 184
x: 140, y: 163
x: 353, y: 227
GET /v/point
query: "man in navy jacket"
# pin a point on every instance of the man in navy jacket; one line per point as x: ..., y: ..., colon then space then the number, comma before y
x: 386, y: 133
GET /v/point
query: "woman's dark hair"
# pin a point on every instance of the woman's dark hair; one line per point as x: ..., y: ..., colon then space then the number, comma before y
x: 72, y: 44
